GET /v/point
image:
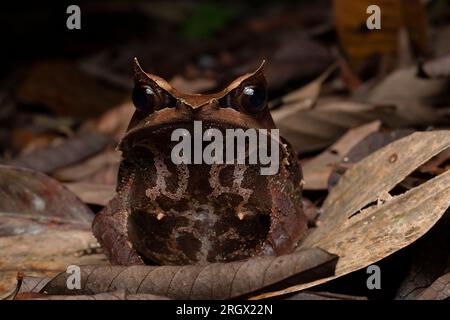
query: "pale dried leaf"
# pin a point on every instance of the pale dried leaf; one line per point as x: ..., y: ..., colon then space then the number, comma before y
x: 386, y: 227
x: 92, y: 193
x: 304, y: 97
x: 411, y: 95
x: 380, y: 172
x: 88, y: 167
x: 70, y: 151
x: 317, y: 170
x: 43, y: 227
x: 314, y: 129
x: 45, y: 254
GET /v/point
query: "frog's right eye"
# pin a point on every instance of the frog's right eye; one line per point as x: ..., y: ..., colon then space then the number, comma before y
x: 145, y: 98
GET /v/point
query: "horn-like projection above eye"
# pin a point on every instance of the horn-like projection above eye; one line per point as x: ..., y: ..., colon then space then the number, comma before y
x: 247, y: 93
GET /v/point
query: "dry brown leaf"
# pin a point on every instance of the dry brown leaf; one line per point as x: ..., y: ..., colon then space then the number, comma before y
x: 381, y: 172
x: 308, y: 295
x: 317, y: 170
x: 430, y: 259
x: 305, y: 97
x: 43, y: 227
x: 411, y: 95
x: 438, y: 163
x: 33, y: 196
x: 113, y: 122
x: 45, y: 254
x: 65, y: 89
x: 388, y: 226
x: 89, y: 167
x: 212, y: 281
x: 314, y: 129
x: 92, y: 193
x: 437, y: 68
x: 67, y: 152
x: 364, y: 148
x: 439, y: 290
x: 115, y: 295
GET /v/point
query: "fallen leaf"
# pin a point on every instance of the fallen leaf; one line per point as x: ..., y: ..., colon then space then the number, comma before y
x: 436, y: 68
x: 115, y: 295
x: 361, y: 237
x: 305, y: 97
x: 66, y: 90
x: 89, y: 167
x: 438, y: 164
x: 317, y: 170
x: 293, y: 56
x: 43, y: 227
x: 381, y: 172
x: 33, y: 196
x: 368, y: 145
x: 213, y: 281
x: 317, y: 128
x: 113, y: 122
x: 311, y: 211
x: 308, y: 295
x: 411, y: 95
x: 92, y: 193
x: 439, y: 290
x: 430, y: 259
x: 67, y: 152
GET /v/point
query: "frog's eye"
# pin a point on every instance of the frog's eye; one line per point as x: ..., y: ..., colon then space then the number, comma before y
x: 253, y: 98
x: 145, y: 98
x: 149, y: 99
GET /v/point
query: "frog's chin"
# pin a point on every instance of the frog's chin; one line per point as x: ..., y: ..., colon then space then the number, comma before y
x: 196, y: 213
x: 197, y: 233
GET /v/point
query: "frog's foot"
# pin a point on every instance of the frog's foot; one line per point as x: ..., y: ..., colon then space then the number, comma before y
x: 110, y: 229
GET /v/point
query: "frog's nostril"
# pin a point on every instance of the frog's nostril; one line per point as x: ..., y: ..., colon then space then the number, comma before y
x: 180, y: 105
x: 211, y: 105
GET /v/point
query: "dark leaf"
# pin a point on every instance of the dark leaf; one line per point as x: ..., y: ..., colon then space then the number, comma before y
x: 213, y: 281
x: 69, y: 151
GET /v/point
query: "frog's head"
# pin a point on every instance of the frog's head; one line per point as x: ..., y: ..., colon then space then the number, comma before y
x: 198, y: 212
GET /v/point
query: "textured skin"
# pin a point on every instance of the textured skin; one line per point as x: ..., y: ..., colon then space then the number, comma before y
x: 198, y: 213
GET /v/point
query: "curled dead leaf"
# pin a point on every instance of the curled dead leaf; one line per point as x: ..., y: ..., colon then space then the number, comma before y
x: 213, y: 281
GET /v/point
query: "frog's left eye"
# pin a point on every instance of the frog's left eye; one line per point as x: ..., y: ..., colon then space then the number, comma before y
x: 145, y: 98
x: 253, y: 98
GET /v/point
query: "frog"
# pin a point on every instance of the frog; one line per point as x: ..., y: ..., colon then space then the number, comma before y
x: 192, y: 214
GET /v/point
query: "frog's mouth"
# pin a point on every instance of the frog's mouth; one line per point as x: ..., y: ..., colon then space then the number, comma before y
x: 196, y: 212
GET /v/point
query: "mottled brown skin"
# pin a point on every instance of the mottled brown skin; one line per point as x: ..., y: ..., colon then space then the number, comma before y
x: 198, y: 213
